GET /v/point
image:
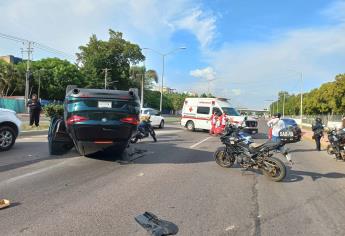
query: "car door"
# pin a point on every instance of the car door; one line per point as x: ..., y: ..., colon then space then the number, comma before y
x: 155, y: 120
x: 203, y: 117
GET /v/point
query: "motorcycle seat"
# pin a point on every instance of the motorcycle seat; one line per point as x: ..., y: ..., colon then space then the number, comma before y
x: 256, y: 145
x: 269, y: 144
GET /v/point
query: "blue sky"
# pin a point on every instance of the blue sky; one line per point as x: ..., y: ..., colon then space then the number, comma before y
x: 250, y: 49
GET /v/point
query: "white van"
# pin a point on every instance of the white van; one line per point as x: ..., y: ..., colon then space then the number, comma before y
x: 197, y: 112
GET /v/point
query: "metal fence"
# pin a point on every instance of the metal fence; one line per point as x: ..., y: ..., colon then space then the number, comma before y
x: 326, y: 119
x: 17, y: 105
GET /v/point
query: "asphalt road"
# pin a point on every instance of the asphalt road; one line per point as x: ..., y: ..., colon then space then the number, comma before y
x: 176, y: 179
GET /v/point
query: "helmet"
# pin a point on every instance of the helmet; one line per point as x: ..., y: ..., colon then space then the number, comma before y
x: 318, y: 119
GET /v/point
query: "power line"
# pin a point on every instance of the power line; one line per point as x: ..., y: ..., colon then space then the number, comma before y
x: 37, y: 45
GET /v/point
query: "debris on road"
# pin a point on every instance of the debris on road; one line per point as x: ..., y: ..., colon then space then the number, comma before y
x: 4, y: 203
x: 155, y: 226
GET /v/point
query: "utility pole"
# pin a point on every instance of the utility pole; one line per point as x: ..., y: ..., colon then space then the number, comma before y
x: 27, y: 75
x: 105, y: 76
x: 142, y: 87
x: 301, y: 99
x: 284, y: 105
x: 161, y: 101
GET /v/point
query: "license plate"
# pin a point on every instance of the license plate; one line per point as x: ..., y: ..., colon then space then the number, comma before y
x: 104, y: 104
x: 232, y: 142
x: 286, y: 134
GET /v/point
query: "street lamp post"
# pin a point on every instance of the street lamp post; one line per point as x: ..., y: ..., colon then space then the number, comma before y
x: 301, y: 99
x: 284, y: 105
x: 163, y: 55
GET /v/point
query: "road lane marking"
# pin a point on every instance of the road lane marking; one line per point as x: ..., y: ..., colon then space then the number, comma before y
x: 168, y: 131
x: 194, y: 145
x: 14, y: 179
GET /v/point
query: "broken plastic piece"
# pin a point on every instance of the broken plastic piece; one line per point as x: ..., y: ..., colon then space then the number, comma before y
x: 4, y: 203
x: 155, y: 226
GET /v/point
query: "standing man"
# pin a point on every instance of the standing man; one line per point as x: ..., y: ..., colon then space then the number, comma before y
x: 35, y: 110
x: 318, y: 132
x: 277, y: 124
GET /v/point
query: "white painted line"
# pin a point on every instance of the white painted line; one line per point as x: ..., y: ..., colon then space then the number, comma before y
x: 14, y: 179
x: 168, y: 131
x: 33, y: 131
x: 194, y: 145
x: 33, y: 137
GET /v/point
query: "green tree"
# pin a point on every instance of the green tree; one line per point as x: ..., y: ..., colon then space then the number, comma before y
x: 12, y: 79
x: 116, y: 54
x: 55, y: 74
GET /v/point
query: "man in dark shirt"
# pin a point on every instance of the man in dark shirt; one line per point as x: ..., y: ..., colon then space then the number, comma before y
x: 35, y: 110
x: 318, y: 133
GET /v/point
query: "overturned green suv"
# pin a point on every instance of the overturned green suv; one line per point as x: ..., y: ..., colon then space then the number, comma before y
x: 94, y: 120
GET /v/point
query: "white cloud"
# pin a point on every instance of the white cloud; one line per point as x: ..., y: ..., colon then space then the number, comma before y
x: 206, y: 73
x: 203, y: 25
x: 67, y: 24
x: 236, y: 92
x: 336, y: 11
x: 258, y: 71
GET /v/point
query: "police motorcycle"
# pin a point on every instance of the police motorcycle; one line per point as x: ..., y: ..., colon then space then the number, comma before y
x: 239, y: 147
x: 336, y: 145
x: 144, y: 130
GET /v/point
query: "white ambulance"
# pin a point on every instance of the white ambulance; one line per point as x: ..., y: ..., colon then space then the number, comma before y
x: 197, y: 112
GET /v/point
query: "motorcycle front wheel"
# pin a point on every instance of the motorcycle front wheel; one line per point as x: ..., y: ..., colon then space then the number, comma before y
x: 274, y: 169
x: 223, y: 159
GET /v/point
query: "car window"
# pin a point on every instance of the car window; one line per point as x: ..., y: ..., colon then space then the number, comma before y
x: 153, y: 112
x: 230, y: 111
x: 289, y: 122
x: 203, y: 110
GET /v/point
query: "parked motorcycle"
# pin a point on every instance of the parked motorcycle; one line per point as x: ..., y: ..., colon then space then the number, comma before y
x: 248, y: 155
x: 336, y: 145
x: 144, y: 130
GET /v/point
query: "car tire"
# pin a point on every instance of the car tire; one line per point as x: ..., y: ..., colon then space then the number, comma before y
x: 7, y: 138
x: 70, y: 87
x: 190, y: 126
x: 161, y: 125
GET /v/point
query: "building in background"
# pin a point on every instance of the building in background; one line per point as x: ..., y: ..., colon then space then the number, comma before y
x: 11, y: 59
x: 165, y: 89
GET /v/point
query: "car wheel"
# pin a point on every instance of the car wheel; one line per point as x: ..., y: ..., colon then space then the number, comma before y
x: 161, y: 125
x: 70, y: 87
x: 190, y: 125
x: 7, y: 138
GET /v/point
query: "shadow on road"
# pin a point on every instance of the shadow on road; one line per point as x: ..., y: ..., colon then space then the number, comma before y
x: 28, y: 153
x: 157, y: 153
x: 298, y: 175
